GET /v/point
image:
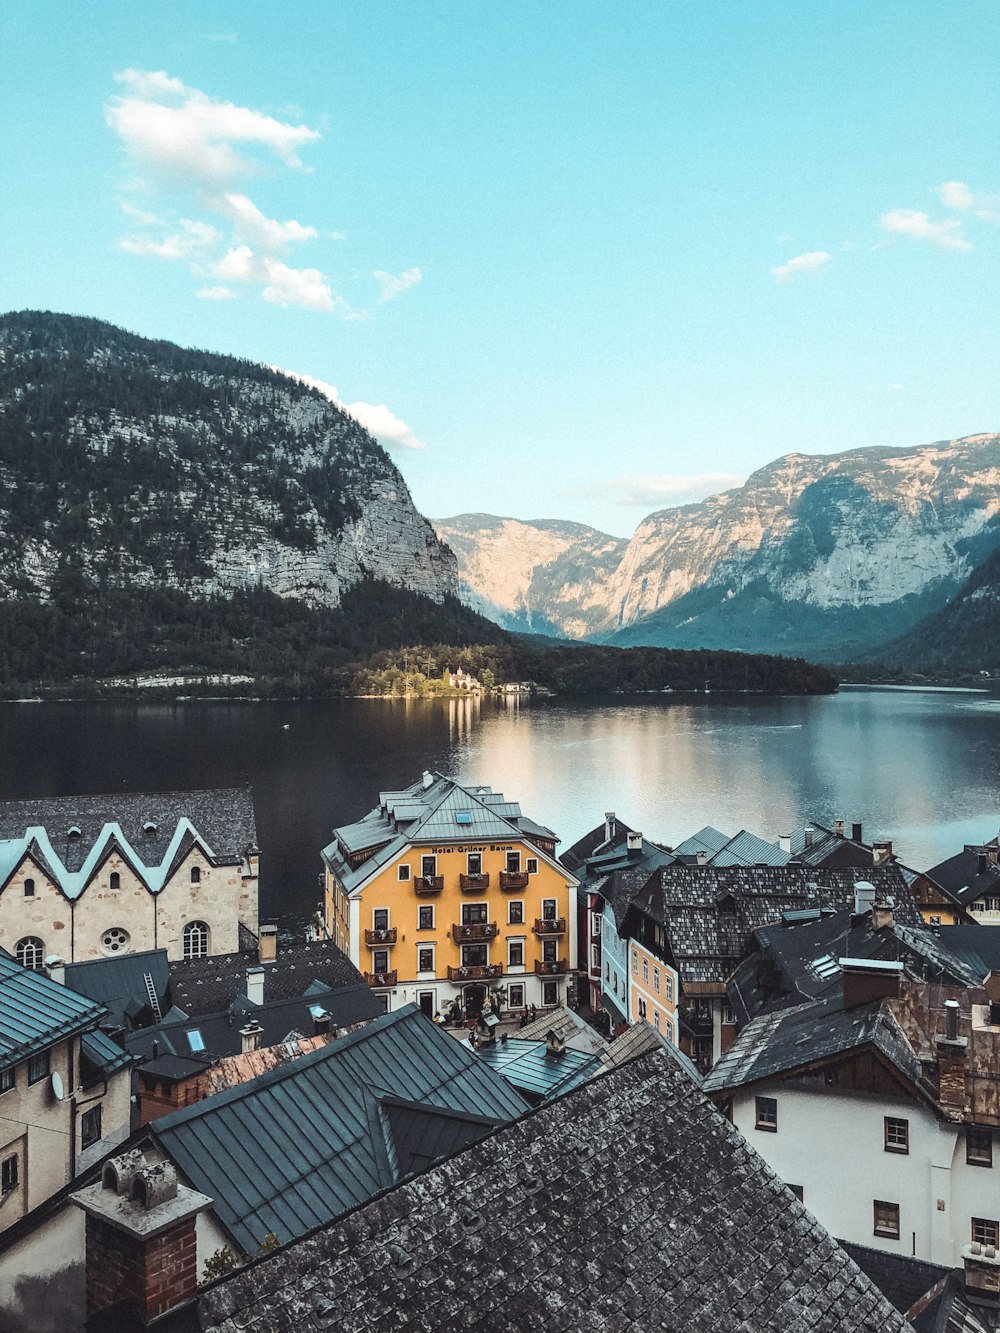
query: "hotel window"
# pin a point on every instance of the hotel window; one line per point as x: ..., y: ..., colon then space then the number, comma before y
x: 978, y: 1146
x: 195, y: 940
x: 90, y: 1127
x: 668, y: 988
x: 767, y: 1113
x: 515, y: 953
x: 515, y: 913
x: 550, y: 951
x: 475, y: 914
x: 38, y: 1067
x: 656, y: 1019
x: 549, y: 906
x: 474, y: 955
x: 515, y: 995
x: 635, y: 963
x: 8, y: 1078
x: 29, y: 888
x: 30, y: 952
x: 474, y: 863
x: 425, y: 958
x: 645, y: 969
x: 550, y: 992
x: 985, y: 1231
x: 428, y: 867
x: 425, y: 918
x: 668, y: 1029
x: 656, y: 980
x: 380, y: 960
x: 513, y: 863
x: 8, y: 1175
x: 196, y: 874
x: 531, y: 865
x: 886, y: 1219
x: 897, y: 1134
x: 380, y: 918
x: 402, y: 872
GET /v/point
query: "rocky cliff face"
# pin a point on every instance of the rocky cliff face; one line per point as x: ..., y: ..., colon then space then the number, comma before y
x: 138, y: 463
x: 543, y: 577
x: 818, y: 555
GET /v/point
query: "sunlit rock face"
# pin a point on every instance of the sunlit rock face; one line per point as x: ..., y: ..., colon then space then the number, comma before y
x: 139, y: 463
x: 827, y: 554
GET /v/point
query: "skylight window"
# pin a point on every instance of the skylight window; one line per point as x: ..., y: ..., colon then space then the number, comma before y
x: 195, y: 1040
x: 463, y: 816
x: 825, y: 965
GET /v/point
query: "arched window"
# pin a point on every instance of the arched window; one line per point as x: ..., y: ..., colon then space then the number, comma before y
x: 116, y: 881
x: 30, y: 952
x: 196, y: 874
x: 115, y: 941
x: 29, y: 888
x: 195, y: 939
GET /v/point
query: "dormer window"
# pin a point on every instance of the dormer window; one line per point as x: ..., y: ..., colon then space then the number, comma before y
x: 149, y: 828
x: 73, y: 831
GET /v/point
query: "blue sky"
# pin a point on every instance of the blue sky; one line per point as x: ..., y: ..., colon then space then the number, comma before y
x: 574, y: 260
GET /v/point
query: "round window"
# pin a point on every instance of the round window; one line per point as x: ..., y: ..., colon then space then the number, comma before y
x: 115, y: 940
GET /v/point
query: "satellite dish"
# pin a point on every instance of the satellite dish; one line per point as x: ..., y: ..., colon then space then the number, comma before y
x: 56, y: 1084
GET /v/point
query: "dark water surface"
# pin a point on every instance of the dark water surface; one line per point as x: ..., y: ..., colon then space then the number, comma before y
x: 920, y: 767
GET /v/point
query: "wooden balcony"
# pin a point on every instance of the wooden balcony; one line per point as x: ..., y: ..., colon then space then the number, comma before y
x: 553, y: 969
x: 490, y: 972
x: 475, y: 934
x: 425, y: 886
x: 512, y: 880
x: 385, y: 937
x: 550, y: 925
x: 381, y: 978
x: 473, y: 883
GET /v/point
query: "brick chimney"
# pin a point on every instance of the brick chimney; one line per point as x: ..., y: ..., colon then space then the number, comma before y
x: 883, y: 916
x: 982, y: 1274
x: 951, y: 1052
x: 267, y: 945
x: 882, y: 852
x: 855, y: 832
x: 838, y: 828
x: 807, y: 836
x: 867, y: 979
x: 141, y: 1246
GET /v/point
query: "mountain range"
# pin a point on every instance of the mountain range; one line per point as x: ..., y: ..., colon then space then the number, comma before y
x: 829, y: 556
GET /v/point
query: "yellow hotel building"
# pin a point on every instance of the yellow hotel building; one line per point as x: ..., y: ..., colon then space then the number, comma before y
x: 445, y: 893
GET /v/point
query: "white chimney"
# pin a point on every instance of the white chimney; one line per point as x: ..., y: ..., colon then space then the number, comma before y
x: 703, y: 858
x: 635, y: 842
x: 609, y: 825
x: 56, y: 968
x: 428, y: 779
x: 250, y: 1036
x: 864, y: 897
x: 808, y: 834
x: 785, y: 842
x: 255, y: 985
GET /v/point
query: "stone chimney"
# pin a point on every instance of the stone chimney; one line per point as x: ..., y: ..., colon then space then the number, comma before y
x: 867, y: 979
x: 635, y: 842
x: 141, y: 1245
x: 883, y: 916
x: 267, y: 945
x: 856, y: 833
x: 982, y: 1274
x: 951, y: 1052
x: 56, y: 968
x: 554, y: 1044
x: 838, y: 828
x: 250, y: 1036
x: 255, y: 984
x: 610, y: 825
x: 882, y: 852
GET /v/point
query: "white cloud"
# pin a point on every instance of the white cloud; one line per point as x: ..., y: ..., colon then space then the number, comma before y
x: 650, y: 490
x: 192, y: 238
x: 391, y: 285
x: 215, y: 294
x: 251, y: 225
x: 955, y: 194
x: 947, y: 235
x: 807, y: 263
x: 305, y: 287
x: 378, y: 420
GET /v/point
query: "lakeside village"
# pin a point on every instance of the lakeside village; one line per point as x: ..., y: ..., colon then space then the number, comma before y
x: 733, y: 1084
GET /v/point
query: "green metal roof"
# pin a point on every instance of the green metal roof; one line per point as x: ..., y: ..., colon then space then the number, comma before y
x: 36, y: 1012
x: 532, y: 1069
x: 308, y: 1141
x: 104, y: 1054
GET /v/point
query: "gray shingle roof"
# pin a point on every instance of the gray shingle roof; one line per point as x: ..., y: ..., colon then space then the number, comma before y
x: 209, y: 985
x: 36, y: 1012
x: 575, y: 1218
x: 319, y: 1126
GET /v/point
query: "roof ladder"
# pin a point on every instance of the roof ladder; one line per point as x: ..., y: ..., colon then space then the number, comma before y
x: 154, y: 1000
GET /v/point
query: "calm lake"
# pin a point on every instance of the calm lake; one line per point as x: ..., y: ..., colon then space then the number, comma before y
x: 919, y: 766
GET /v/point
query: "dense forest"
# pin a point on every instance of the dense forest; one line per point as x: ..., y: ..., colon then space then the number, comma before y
x: 88, y: 634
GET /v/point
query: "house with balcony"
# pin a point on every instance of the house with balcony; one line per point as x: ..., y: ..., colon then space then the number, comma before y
x: 447, y: 893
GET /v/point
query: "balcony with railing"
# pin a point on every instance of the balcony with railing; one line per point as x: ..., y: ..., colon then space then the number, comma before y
x: 487, y: 972
x: 513, y: 880
x: 475, y: 933
x: 550, y: 967
x: 381, y: 978
x: 425, y: 886
x: 550, y: 925
x: 474, y: 883
x: 384, y: 937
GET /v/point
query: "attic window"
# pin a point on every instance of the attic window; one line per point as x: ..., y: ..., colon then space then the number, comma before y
x: 149, y: 828
x: 195, y: 1040
x: 463, y: 816
x: 73, y: 831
